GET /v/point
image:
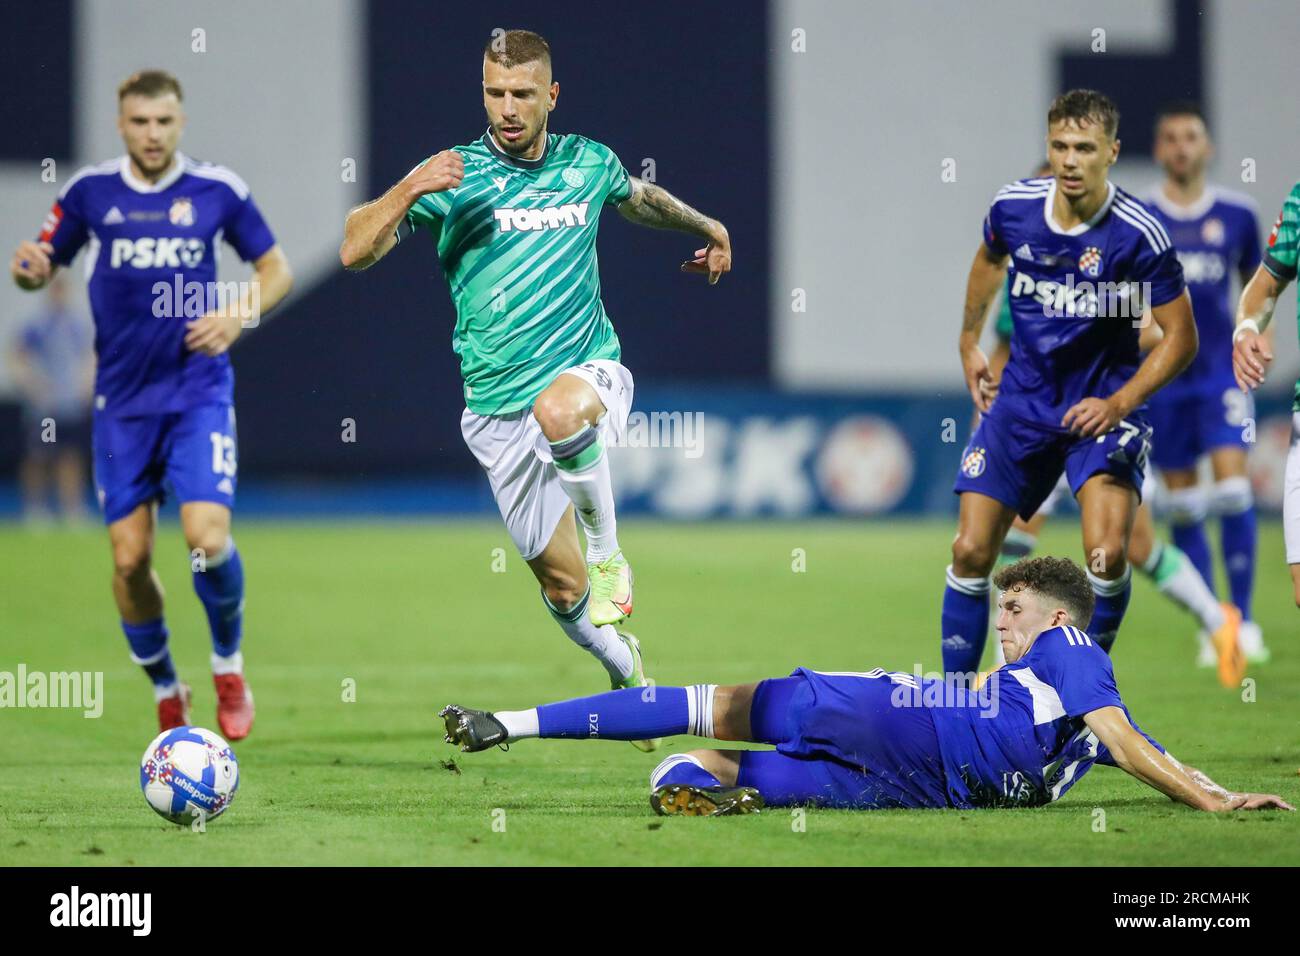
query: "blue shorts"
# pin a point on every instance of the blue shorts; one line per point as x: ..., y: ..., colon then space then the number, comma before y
x: 1189, y: 425
x: 1017, y: 462
x: 194, y: 452
x: 842, y: 741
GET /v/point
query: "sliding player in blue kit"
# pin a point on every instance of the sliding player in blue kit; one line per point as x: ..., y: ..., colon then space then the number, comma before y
x: 152, y: 221
x: 1087, y: 261
x: 886, y: 740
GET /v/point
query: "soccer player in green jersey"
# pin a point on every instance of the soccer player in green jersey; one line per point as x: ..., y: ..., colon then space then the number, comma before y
x: 1251, y: 354
x: 514, y: 216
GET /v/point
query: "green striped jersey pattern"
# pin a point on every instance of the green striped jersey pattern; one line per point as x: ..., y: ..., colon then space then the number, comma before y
x: 517, y: 243
x: 1281, y: 251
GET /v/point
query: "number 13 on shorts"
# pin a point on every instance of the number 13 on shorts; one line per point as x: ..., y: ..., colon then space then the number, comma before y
x: 223, y: 454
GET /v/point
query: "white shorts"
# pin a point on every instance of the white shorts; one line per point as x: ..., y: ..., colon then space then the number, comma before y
x: 517, y: 457
x: 1291, y: 495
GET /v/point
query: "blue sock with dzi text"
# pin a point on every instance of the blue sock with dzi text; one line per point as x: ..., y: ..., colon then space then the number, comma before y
x: 148, y: 643
x: 220, y: 587
x: 1112, y: 601
x: 636, y: 713
x: 965, y: 623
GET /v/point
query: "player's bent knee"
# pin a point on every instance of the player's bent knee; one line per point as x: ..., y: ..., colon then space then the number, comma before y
x: 559, y: 414
x: 972, y: 557
x: 563, y: 595
x: 208, y: 541
x: 1107, y: 557
x: 131, y: 560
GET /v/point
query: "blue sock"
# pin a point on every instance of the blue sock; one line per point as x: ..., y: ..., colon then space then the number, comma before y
x: 637, y: 713
x: 965, y: 623
x: 1191, y: 540
x: 148, y: 643
x: 682, y: 768
x: 1236, y: 507
x: 1112, y: 602
x: 221, y: 590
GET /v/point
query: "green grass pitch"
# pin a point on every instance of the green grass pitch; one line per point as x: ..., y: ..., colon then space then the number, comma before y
x: 416, y: 615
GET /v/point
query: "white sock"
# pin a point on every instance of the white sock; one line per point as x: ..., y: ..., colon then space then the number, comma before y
x: 1177, y: 578
x: 234, y: 664
x: 603, y: 642
x: 519, y: 724
x: 591, y: 489
x: 699, y: 709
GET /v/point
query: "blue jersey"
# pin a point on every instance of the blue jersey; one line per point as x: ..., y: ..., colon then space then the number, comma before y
x: 1214, y: 238
x: 1072, y: 339
x: 1026, y: 743
x: 152, y: 246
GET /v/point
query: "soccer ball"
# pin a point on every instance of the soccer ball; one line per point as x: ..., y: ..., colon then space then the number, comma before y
x: 189, y: 772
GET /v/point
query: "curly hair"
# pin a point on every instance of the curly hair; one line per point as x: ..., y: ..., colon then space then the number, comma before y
x: 1057, y: 579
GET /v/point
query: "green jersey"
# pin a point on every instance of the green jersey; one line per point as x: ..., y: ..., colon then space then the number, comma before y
x: 1005, y: 327
x: 1283, y: 245
x: 517, y: 242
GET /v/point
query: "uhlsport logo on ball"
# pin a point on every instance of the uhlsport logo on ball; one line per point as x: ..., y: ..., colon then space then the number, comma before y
x: 189, y: 772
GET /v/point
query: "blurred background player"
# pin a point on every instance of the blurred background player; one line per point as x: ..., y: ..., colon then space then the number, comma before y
x: 54, y: 367
x: 884, y: 740
x: 1202, y: 412
x: 1252, y: 353
x: 515, y: 215
x: 164, y: 408
x: 1072, y: 397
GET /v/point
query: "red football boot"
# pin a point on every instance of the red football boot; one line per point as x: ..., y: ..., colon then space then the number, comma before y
x: 174, y: 711
x: 234, y: 706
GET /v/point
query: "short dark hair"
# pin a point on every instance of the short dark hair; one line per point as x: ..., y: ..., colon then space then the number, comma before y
x: 1085, y: 106
x: 1057, y: 579
x: 513, y: 47
x: 1181, y: 108
x: 149, y: 83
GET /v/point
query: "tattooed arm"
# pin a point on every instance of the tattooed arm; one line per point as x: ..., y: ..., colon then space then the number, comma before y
x: 654, y: 206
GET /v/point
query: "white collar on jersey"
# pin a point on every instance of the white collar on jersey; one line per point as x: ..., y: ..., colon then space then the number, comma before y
x: 1082, y: 227
x: 1196, y: 210
x: 140, y: 186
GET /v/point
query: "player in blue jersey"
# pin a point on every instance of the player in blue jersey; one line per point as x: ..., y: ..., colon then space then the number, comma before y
x: 882, y: 740
x: 1202, y: 412
x: 152, y: 221
x: 1087, y: 261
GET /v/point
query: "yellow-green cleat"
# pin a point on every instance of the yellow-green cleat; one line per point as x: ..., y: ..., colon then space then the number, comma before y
x: 636, y: 679
x: 611, y: 590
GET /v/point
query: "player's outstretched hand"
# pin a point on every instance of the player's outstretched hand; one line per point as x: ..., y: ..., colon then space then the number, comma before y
x: 1255, y: 801
x: 443, y: 171
x: 31, y: 267
x: 714, y: 259
x: 212, y: 334
x: 979, y: 379
x: 1250, y: 358
x: 1093, y: 417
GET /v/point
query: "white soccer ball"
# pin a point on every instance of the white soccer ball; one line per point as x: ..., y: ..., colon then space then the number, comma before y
x: 189, y: 772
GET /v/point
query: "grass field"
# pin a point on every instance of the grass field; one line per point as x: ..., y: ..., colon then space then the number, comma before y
x: 415, y: 615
